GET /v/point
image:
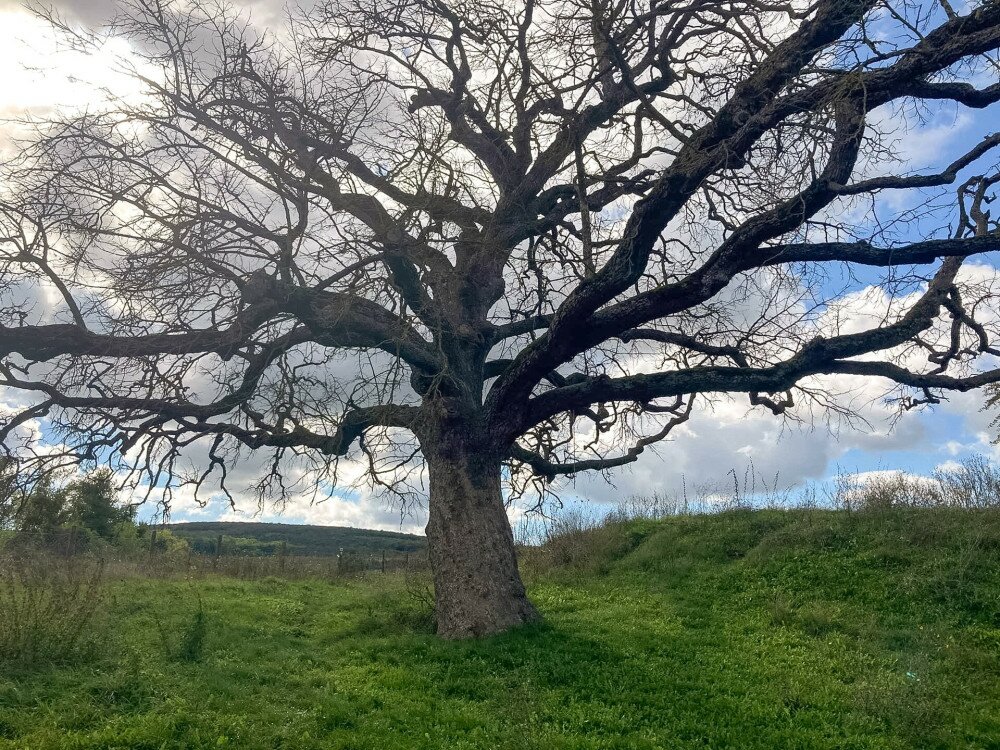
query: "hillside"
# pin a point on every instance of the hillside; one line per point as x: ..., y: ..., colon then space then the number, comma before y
x: 300, y: 539
x: 749, y: 630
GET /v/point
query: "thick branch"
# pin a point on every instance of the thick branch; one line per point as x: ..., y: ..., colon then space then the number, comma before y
x: 550, y: 469
x: 817, y: 357
x: 44, y: 342
x: 752, y: 110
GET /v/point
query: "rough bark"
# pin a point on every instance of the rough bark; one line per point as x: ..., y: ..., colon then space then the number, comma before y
x: 477, y: 587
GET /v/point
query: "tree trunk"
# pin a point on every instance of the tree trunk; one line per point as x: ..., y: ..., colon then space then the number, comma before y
x: 477, y: 587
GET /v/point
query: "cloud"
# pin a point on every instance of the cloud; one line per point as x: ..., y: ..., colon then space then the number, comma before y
x: 339, y: 510
x: 730, y: 435
x: 40, y: 74
x: 264, y: 13
x: 754, y: 444
x: 86, y: 11
x: 733, y: 437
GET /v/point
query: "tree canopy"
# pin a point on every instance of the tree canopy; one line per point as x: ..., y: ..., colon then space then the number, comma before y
x: 538, y: 234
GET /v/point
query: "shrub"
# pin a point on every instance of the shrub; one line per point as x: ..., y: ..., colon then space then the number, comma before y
x: 92, y: 503
x: 972, y: 484
x: 192, y: 643
x: 43, y: 509
x: 975, y: 483
x: 652, y: 507
x: 898, y: 490
x: 46, y: 606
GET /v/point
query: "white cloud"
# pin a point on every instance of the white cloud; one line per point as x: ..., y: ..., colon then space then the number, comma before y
x: 734, y: 437
x: 39, y: 73
x: 731, y: 435
x: 361, y: 512
x: 728, y: 436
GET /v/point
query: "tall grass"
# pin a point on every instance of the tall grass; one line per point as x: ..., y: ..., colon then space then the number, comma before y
x: 581, y: 537
x: 972, y: 484
x: 46, y: 606
x: 187, y: 644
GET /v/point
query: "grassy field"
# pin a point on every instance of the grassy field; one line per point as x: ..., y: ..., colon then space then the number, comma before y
x: 802, y: 629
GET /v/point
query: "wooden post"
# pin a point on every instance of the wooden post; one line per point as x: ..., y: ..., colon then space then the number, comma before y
x: 152, y: 540
x: 282, y: 552
x: 383, y: 561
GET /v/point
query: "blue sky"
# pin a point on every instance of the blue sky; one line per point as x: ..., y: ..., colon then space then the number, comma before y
x: 730, y: 437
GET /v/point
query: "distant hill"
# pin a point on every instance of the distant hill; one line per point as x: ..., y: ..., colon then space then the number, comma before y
x: 266, y: 538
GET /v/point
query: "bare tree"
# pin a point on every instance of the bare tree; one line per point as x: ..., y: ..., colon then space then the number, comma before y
x: 455, y: 237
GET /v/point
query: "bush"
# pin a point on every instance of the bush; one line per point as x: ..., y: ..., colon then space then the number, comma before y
x: 45, y: 608
x: 43, y: 509
x: 975, y: 483
x: 83, y: 514
x: 192, y: 643
x: 92, y: 503
x: 652, y: 507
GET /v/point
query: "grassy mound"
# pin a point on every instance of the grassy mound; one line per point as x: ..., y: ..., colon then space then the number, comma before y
x: 804, y: 629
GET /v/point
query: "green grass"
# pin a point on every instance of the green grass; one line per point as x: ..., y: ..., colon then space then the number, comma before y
x: 745, y: 630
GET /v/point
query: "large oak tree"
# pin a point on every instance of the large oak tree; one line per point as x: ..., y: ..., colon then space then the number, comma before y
x: 504, y: 241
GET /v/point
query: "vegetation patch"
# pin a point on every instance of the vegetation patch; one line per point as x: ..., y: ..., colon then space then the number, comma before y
x: 807, y: 638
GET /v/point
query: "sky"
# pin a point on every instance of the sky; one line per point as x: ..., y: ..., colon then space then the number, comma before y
x: 728, y: 437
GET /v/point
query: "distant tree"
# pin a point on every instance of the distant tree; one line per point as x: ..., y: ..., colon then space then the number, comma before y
x: 90, y: 502
x: 475, y: 235
x: 43, y: 509
x: 93, y: 503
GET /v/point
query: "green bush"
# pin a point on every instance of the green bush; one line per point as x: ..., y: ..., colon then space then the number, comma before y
x: 92, y: 503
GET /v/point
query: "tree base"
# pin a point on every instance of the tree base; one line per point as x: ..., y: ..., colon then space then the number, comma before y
x: 477, y: 587
x: 486, y: 618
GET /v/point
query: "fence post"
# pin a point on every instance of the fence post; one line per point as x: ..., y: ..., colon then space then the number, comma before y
x: 282, y: 552
x: 218, y: 551
x: 383, y: 561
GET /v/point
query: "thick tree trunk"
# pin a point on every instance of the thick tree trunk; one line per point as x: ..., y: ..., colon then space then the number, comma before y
x: 477, y: 587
